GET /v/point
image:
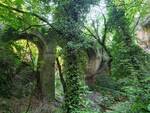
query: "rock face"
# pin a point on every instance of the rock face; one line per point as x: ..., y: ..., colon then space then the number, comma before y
x: 96, y: 66
x: 143, y: 35
x: 94, y: 61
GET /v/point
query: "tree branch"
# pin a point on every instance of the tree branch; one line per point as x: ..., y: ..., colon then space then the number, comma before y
x: 136, y: 24
x: 102, y: 43
x: 91, y: 33
x: 31, y: 55
x: 25, y: 12
x: 61, y: 75
x: 32, y: 14
x: 31, y: 26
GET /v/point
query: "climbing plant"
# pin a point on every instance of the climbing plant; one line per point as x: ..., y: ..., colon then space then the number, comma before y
x: 70, y: 16
x: 128, y: 59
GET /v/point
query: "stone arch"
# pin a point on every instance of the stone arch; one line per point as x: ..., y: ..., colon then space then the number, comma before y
x: 46, y: 72
x: 46, y: 61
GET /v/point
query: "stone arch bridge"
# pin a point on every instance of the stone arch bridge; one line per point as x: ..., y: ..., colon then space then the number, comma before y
x: 46, y: 61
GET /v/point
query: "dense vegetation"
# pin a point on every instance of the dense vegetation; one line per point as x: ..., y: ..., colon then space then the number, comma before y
x: 74, y: 56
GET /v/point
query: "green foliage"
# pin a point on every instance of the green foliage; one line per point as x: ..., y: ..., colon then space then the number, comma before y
x: 73, y: 72
x: 27, y: 52
x: 8, y: 60
x: 129, y: 62
x: 15, y: 75
x: 69, y: 17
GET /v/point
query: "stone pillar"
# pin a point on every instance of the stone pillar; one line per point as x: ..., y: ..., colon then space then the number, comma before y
x: 47, y: 72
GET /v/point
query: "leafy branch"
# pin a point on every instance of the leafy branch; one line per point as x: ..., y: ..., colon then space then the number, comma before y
x: 32, y: 14
x: 25, y: 12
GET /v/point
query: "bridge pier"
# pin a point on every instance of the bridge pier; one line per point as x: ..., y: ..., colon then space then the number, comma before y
x: 47, y: 71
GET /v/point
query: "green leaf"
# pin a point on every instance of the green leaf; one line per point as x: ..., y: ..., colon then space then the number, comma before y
x: 148, y: 107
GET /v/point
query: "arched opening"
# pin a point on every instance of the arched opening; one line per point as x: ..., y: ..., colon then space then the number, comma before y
x: 25, y: 78
x: 27, y: 52
x: 59, y: 75
x: 44, y: 66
